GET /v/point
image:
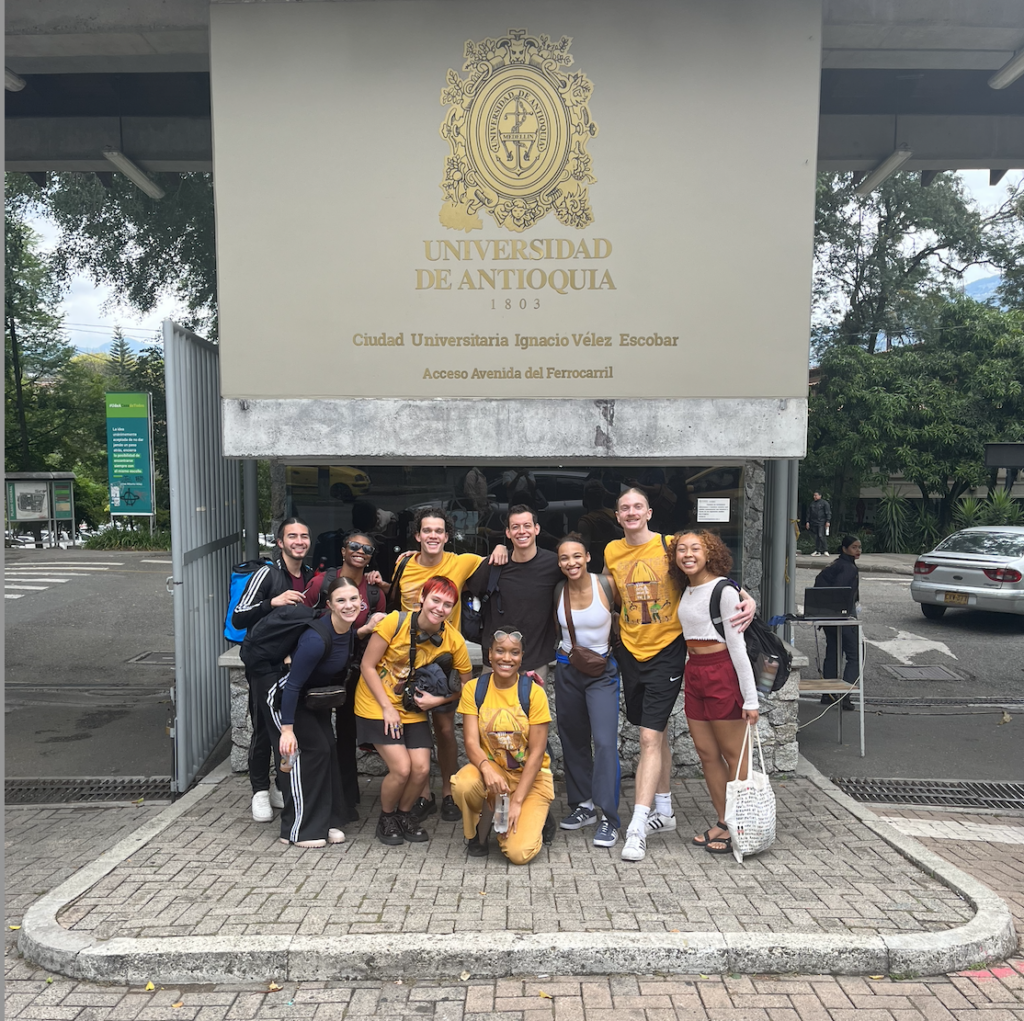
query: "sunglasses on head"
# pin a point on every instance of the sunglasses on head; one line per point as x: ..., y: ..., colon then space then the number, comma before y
x: 516, y: 636
x: 357, y: 546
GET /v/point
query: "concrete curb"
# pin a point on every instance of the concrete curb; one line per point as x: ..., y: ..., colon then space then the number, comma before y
x: 988, y: 936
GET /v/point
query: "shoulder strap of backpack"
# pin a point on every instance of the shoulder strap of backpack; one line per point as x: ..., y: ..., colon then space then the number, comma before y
x: 716, y: 606
x: 492, y: 581
x: 481, y: 687
x: 320, y: 626
x: 395, y: 594
x: 606, y: 585
x: 525, y: 687
x: 664, y: 544
x: 372, y: 597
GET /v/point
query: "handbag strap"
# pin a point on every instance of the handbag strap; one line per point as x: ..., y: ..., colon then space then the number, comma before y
x: 748, y: 747
x: 568, y: 615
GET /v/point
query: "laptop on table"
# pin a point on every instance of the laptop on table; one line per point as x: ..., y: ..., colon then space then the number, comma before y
x: 828, y: 603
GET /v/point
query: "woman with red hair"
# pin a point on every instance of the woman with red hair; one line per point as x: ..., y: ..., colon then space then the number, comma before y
x: 401, y: 644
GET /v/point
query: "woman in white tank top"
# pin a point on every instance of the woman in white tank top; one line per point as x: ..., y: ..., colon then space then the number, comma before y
x: 587, y: 706
x: 720, y: 697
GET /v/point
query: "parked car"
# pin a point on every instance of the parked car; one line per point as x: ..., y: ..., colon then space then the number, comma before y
x: 977, y: 568
x: 345, y: 483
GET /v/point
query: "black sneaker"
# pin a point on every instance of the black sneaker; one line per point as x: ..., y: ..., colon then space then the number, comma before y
x: 476, y: 848
x: 421, y: 808
x: 449, y: 810
x: 410, y: 828
x: 389, y: 829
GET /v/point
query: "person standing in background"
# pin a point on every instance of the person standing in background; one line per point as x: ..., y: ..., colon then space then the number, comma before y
x: 819, y: 517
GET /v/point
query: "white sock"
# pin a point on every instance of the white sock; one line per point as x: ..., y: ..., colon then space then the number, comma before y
x: 639, y: 820
x: 589, y: 803
x: 663, y: 804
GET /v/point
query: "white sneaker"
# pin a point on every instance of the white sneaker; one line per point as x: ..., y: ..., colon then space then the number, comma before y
x: 335, y: 836
x: 261, y: 810
x: 635, y: 848
x: 658, y: 823
x: 276, y: 798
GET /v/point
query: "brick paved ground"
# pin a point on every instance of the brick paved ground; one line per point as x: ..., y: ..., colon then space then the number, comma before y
x: 43, y: 846
x: 215, y: 872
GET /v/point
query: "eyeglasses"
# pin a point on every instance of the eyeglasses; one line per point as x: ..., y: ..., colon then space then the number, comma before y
x: 516, y: 636
x: 357, y: 546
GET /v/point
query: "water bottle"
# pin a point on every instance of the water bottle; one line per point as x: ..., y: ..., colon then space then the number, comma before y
x: 500, y: 823
x: 287, y: 761
x: 766, y: 675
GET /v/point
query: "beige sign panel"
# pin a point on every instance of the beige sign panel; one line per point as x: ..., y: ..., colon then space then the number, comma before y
x: 508, y: 200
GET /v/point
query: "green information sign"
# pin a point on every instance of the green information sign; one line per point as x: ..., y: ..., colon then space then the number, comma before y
x: 62, y: 505
x: 130, y: 453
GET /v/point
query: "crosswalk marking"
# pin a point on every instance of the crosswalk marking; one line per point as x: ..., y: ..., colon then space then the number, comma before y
x: 31, y: 588
x: 36, y: 577
x: 156, y: 561
x: 77, y: 563
x: 9, y: 595
x: 51, y: 567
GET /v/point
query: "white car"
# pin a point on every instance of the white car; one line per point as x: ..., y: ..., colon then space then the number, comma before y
x: 977, y: 568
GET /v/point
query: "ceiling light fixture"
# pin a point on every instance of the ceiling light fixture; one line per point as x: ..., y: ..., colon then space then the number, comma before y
x: 885, y: 169
x: 1009, y: 72
x: 13, y: 82
x: 134, y: 173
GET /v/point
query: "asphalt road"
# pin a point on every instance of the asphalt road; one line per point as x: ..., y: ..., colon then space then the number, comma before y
x: 925, y: 729
x: 75, y: 705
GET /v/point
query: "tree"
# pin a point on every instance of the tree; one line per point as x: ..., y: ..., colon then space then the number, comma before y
x: 924, y: 410
x: 121, y: 362
x: 139, y: 246
x: 886, y: 263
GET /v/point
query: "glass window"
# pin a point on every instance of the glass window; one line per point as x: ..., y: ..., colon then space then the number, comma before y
x: 994, y: 544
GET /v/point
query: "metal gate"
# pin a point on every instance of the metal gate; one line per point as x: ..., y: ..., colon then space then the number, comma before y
x: 206, y: 542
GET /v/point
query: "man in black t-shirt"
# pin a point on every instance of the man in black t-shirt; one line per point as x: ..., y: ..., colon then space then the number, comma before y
x: 526, y: 588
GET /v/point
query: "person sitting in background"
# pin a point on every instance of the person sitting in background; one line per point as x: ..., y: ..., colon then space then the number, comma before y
x: 506, y: 744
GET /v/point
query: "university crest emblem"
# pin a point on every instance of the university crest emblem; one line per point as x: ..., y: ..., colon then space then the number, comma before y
x: 518, y: 127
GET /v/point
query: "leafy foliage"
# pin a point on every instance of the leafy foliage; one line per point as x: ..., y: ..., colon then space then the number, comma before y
x: 129, y: 538
x: 924, y: 410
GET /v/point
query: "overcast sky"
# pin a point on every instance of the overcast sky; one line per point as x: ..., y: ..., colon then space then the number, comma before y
x: 90, y: 315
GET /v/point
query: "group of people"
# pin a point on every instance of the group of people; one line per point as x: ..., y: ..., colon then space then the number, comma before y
x: 545, y: 620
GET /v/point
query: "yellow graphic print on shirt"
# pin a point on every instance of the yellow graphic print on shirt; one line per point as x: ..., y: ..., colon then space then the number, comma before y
x: 643, y: 602
x: 506, y: 738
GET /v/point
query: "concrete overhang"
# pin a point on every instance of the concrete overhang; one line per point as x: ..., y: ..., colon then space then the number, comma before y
x: 135, y: 74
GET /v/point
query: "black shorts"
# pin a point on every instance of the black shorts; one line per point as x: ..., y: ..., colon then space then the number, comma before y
x: 414, y: 735
x: 650, y: 688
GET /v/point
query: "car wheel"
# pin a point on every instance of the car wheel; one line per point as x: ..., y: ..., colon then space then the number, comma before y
x: 932, y: 611
x: 339, y: 491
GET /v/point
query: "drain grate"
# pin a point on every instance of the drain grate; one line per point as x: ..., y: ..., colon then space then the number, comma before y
x: 95, y: 790
x: 934, y: 793
x: 922, y: 673
x: 153, y: 659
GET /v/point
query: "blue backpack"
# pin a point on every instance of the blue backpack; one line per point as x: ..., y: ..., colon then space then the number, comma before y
x: 240, y: 575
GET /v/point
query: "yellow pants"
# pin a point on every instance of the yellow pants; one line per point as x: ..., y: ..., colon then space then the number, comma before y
x: 519, y: 847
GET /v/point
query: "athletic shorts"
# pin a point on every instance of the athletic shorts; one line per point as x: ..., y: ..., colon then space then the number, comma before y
x: 650, y: 688
x: 414, y: 735
x: 712, y: 688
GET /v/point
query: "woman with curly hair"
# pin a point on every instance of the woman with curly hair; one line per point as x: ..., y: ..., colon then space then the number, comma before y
x: 720, y: 696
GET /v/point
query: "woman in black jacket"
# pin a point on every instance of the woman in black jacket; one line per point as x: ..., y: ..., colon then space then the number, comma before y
x: 842, y: 572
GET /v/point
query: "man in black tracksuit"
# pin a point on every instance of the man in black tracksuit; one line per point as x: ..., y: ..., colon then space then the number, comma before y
x: 819, y: 517
x: 277, y: 584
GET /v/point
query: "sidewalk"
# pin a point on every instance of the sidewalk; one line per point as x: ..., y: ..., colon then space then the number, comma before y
x: 204, y: 895
x: 868, y: 563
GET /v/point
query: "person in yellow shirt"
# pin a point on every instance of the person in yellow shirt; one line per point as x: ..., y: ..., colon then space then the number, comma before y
x: 433, y: 530
x: 651, y: 658
x: 507, y: 750
x: 400, y: 643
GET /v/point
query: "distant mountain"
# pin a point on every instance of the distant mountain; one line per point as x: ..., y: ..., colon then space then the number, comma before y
x: 137, y: 347
x: 983, y: 289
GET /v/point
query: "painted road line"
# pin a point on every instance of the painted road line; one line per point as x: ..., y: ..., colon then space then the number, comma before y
x: 31, y: 588
x: 35, y: 577
x: 156, y: 561
x: 9, y: 595
x: 74, y: 563
x: 53, y: 567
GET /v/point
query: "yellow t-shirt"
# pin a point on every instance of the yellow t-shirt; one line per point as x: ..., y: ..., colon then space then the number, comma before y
x: 459, y: 567
x: 394, y: 667
x: 650, y: 598
x: 504, y: 728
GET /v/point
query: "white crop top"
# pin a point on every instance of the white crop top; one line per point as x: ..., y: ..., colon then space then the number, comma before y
x: 593, y: 625
x: 695, y: 618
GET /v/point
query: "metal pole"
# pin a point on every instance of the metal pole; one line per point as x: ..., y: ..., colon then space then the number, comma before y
x: 251, y: 509
x: 779, y: 521
x: 791, y: 530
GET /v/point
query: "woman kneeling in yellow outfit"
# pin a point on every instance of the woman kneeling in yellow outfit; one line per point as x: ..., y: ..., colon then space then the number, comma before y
x: 505, y: 720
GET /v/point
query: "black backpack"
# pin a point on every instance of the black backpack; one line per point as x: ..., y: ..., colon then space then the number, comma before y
x: 274, y: 637
x: 762, y: 642
x: 472, y: 623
